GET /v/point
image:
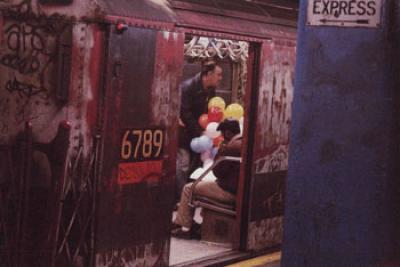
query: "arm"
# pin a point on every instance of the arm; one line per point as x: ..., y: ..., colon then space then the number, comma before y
x: 186, y: 114
x: 227, y: 170
x: 232, y: 149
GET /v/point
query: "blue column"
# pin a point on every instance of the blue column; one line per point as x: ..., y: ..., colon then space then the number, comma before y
x: 342, y: 200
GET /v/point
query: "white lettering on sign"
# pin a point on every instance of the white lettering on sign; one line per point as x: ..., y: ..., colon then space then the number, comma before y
x: 344, y: 13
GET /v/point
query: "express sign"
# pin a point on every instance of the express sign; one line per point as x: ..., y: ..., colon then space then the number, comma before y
x: 344, y: 13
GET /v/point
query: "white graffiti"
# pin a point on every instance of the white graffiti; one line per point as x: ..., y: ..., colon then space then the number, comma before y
x: 265, y: 233
x: 203, y: 47
x: 129, y: 257
x: 275, y: 100
x: 276, y: 161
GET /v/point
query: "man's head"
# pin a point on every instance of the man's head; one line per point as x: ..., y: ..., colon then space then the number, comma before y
x: 229, y: 128
x: 211, y: 74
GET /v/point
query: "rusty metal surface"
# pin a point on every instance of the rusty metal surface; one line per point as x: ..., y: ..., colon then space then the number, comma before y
x: 30, y: 207
x: 278, y: 11
x: 208, y: 22
x: 157, y: 10
x: 69, y: 11
x: 165, y: 96
x: 27, y: 70
x: 15, y: 196
x: 270, y: 153
x: 153, y: 10
x: 237, y: 17
x: 28, y: 77
x: 130, y: 69
x: 256, y: 19
x: 134, y: 218
x: 76, y: 230
x: 29, y: 63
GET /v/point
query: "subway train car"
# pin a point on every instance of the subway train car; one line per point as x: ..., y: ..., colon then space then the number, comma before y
x: 89, y: 112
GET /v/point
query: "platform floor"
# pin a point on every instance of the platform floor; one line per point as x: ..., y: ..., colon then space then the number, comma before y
x: 189, y: 250
x: 182, y: 251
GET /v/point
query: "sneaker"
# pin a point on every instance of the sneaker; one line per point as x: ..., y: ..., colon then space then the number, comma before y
x: 179, y: 233
x: 175, y: 226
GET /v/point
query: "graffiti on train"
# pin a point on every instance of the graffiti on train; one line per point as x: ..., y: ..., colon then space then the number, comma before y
x: 275, y: 100
x: 26, y: 90
x: 30, y: 48
x: 27, y: 58
x: 275, y: 161
x: 143, y: 255
x: 27, y: 44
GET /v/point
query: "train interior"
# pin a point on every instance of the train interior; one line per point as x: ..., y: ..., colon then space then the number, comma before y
x: 215, y: 236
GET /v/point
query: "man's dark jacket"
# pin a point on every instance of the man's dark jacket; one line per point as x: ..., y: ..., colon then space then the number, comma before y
x: 194, y: 102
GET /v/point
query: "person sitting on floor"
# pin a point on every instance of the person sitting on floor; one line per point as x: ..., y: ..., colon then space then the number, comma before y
x: 223, y: 189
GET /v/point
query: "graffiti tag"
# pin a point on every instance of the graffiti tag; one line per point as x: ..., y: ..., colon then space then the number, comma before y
x: 31, y: 44
x: 26, y: 90
x: 276, y: 161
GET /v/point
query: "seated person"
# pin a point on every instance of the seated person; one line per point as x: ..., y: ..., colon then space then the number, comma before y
x: 223, y: 189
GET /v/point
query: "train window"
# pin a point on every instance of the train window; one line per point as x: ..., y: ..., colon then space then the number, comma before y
x: 214, y: 217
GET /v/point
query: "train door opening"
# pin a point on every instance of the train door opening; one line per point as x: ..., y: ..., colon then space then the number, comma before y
x: 215, y: 227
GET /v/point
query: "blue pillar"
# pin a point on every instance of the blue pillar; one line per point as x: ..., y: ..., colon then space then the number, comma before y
x: 342, y: 199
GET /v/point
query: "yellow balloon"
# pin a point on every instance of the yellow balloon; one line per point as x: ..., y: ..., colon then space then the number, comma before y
x: 234, y: 111
x: 216, y: 102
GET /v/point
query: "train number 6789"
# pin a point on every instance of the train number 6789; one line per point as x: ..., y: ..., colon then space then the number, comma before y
x: 141, y: 144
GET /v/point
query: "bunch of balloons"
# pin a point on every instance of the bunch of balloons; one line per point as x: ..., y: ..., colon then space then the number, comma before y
x: 208, y: 143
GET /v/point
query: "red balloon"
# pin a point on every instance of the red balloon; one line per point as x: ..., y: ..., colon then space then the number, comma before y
x: 203, y: 120
x: 215, y: 114
x: 218, y: 140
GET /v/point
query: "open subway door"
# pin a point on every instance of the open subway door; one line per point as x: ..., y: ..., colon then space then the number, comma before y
x: 271, y: 143
x: 139, y: 152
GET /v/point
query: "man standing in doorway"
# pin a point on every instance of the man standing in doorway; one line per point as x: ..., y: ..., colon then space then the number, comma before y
x: 195, y: 94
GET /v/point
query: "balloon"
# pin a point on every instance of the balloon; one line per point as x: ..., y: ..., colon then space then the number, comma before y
x: 206, y: 155
x: 211, y: 130
x: 218, y: 140
x: 241, y: 125
x: 205, y: 143
x: 195, y: 144
x: 203, y: 120
x: 217, y: 102
x: 214, y: 152
x: 234, y: 111
x: 215, y: 114
x: 241, y: 120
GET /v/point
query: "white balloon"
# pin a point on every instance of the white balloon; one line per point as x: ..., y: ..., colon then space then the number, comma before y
x: 241, y: 124
x: 206, y: 155
x: 211, y: 130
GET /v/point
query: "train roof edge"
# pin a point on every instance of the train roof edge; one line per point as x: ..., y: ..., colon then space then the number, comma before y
x: 236, y: 17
